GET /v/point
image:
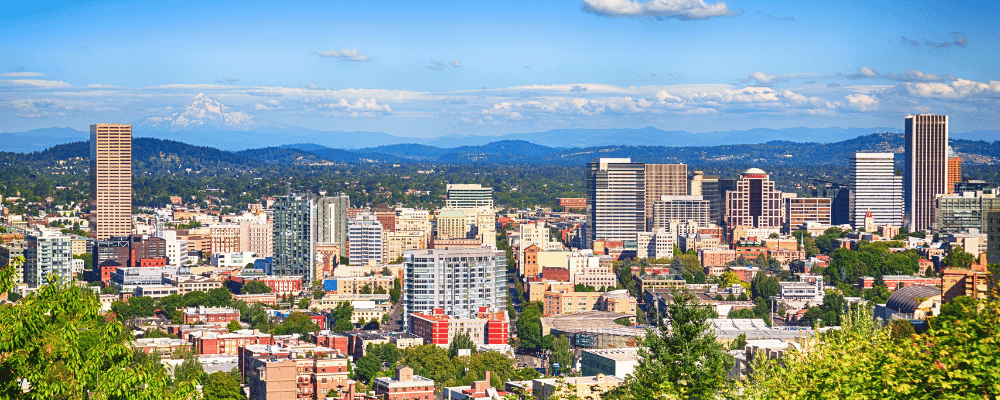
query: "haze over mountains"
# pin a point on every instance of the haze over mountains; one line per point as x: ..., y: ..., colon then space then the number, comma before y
x: 207, y: 122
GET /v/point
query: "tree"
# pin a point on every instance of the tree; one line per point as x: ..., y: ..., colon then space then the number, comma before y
x: 764, y: 286
x: 529, y: 326
x: 222, y: 386
x: 901, y: 329
x: 432, y: 362
x: 961, y: 308
x: 460, y: 341
x: 157, y: 333
x: 368, y: 368
x: 255, y: 287
x: 189, y: 369
x: 296, y: 322
x: 342, y: 315
x: 234, y: 326
x: 958, y: 258
x: 396, y: 291
x: 682, y: 361
x: 366, y: 289
x: 743, y: 313
x: 742, y: 297
x: 387, y: 352
x: 319, y: 294
x: 561, y: 353
x: 739, y: 344
x: 304, y: 303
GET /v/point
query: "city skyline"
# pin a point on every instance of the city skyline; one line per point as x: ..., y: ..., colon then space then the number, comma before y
x: 425, y: 70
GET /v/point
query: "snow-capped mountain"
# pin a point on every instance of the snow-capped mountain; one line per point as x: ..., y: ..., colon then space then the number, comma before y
x: 203, y: 114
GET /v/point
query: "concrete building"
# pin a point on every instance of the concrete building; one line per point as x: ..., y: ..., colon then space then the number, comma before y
x: 993, y: 236
x: 616, y: 196
x: 964, y: 282
x: 754, y: 203
x: 469, y: 196
x: 331, y: 220
x: 477, y: 390
x: 925, y: 171
x: 586, y: 268
x: 111, y: 180
x: 451, y: 224
x: 224, y: 315
x: 581, y: 387
x: 47, y: 252
x: 963, y: 212
x: 663, y: 180
x: 680, y: 208
x: 656, y: 244
x: 176, y: 249
x: 803, y: 210
x: 294, y: 235
x: 875, y: 187
x: 364, y: 239
x: 555, y: 303
x: 458, y: 281
x: 954, y: 170
x: 233, y: 260
x: 225, y: 238
x: 394, y: 244
x: 356, y: 285
x: 10, y: 251
x: 616, y: 301
x: 404, y: 386
x: 618, y: 362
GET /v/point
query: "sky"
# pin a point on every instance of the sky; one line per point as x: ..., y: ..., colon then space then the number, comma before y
x: 427, y: 69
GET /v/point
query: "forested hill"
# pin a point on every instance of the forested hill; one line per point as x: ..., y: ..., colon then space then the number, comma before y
x: 167, y: 154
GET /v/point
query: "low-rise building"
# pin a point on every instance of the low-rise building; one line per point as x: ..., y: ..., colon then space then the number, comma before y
x: 209, y: 342
x: 440, y: 329
x: 477, y: 390
x: 582, y: 387
x: 618, y: 362
x: 893, y: 282
x: 660, y: 282
x: 964, y: 282
x: 193, y: 315
x: 569, y: 302
x: 404, y: 386
x: 617, y: 301
x: 191, y: 283
x: 356, y: 285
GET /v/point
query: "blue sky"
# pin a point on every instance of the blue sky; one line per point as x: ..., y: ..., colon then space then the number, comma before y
x: 433, y: 68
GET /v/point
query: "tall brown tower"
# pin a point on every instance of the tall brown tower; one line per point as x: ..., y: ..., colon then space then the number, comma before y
x: 663, y: 180
x: 925, y: 172
x: 111, y: 180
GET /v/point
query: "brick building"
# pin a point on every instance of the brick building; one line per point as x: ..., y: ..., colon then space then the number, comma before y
x: 193, y: 315
x: 404, y: 386
x: 439, y: 329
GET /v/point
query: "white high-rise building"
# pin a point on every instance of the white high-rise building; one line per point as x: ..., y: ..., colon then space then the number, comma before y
x: 656, y: 244
x: 875, y: 187
x: 177, y: 249
x: 469, y: 196
x: 364, y: 239
x: 459, y: 281
x: 47, y: 252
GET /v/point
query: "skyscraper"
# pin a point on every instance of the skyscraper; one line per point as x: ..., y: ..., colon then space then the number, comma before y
x: 111, y: 180
x: 47, y: 252
x: 875, y: 187
x: 365, y: 238
x: 754, y: 203
x: 954, y: 170
x: 331, y: 221
x: 616, y: 189
x: 925, y: 172
x: 294, y: 235
x: 663, y: 180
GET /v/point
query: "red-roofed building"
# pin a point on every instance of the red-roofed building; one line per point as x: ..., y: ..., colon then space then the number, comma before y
x: 438, y: 328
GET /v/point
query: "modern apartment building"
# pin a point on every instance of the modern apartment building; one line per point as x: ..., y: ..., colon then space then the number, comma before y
x: 801, y: 210
x: 364, y: 239
x: 616, y: 198
x: 954, y: 170
x: 875, y: 187
x: 459, y: 281
x: 47, y: 252
x: 925, y: 171
x: 469, y: 196
x: 754, y: 203
x: 993, y: 236
x: 111, y: 180
x: 294, y: 235
x: 331, y: 220
x: 663, y: 180
x: 680, y: 208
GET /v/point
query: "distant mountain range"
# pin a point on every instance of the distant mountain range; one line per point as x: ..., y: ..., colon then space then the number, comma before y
x: 207, y: 122
x: 167, y: 154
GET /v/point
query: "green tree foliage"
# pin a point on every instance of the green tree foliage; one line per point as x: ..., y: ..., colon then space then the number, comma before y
x: 742, y: 313
x: 157, y: 333
x: 366, y: 289
x: 901, y: 329
x: 961, y: 308
x: 304, y: 303
x: 561, y: 353
x: 739, y: 343
x: 529, y: 326
x: 318, y: 294
x: 764, y: 286
x: 684, y: 361
x: 368, y: 367
x: 954, y: 359
x: 500, y: 366
x: 396, y: 291
x: 432, y: 362
x: 234, y: 326
x: 342, y: 315
x: 189, y: 369
x: 255, y: 287
x: 386, y: 352
x: 958, y: 258
x: 297, y: 322
x: 460, y: 341
x: 222, y: 386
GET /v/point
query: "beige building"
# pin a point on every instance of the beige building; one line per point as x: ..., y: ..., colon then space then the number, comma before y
x: 663, y: 180
x: 395, y: 243
x: 451, y: 224
x: 191, y: 283
x: 925, y: 168
x: 569, y: 302
x: 225, y: 238
x: 617, y: 301
x: 579, y: 387
x: 111, y: 180
x: 355, y: 285
x: 801, y: 210
x: 536, y: 290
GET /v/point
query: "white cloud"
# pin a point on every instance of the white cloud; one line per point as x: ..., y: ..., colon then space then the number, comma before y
x: 911, y: 75
x: 101, y: 86
x: 577, y: 88
x: 344, y: 55
x: 21, y: 74
x: 436, y: 65
x: 366, y: 106
x: 864, y: 72
x: 659, y: 9
x: 456, y: 63
x: 35, y: 83
x: 861, y: 102
x: 763, y: 79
